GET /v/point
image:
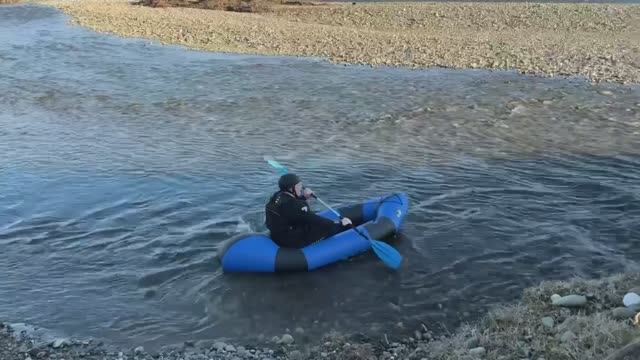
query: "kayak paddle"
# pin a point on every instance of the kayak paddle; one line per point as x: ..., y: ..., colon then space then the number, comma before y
x: 390, y: 256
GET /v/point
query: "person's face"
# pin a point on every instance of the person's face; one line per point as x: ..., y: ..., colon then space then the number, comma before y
x: 298, y: 189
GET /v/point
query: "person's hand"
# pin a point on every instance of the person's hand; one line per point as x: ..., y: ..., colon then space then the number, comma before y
x: 308, y: 194
x: 346, y: 221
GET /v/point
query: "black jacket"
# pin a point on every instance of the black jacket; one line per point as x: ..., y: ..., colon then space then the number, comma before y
x: 292, y: 222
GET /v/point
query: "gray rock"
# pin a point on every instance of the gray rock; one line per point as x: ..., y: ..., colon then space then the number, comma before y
x: 479, y: 351
x: 504, y: 316
x: 58, y: 343
x: 548, y: 322
x: 296, y: 355
x: 275, y: 339
x: 230, y: 348
x: 622, y: 313
x: 219, y: 346
x: 299, y: 330
x: 568, y: 336
x: 418, y: 335
x: 287, y: 339
x: 243, y: 352
x: 473, y: 342
x: 569, y: 300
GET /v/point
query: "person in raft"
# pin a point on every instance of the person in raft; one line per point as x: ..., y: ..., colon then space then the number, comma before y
x: 290, y: 220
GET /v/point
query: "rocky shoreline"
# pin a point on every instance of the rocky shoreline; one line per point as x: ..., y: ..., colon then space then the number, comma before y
x: 600, y: 42
x: 577, y: 319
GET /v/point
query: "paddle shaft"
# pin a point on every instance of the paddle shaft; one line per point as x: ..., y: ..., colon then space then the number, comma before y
x: 327, y: 206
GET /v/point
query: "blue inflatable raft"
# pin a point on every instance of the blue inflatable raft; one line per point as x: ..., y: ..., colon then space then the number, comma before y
x: 377, y: 218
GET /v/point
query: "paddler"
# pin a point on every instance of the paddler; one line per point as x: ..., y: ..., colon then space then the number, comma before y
x: 291, y: 221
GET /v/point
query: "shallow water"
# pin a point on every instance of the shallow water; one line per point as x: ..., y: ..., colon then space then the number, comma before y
x: 125, y: 164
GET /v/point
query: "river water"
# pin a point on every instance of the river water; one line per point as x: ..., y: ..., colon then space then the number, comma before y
x: 124, y: 164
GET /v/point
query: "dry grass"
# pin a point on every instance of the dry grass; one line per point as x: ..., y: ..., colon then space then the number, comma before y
x: 9, y: 1
x: 514, y: 332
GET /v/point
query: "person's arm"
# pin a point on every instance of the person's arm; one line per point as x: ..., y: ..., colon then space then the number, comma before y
x: 295, y: 211
x: 344, y: 221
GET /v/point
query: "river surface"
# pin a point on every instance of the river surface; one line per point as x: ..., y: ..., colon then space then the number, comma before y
x: 124, y: 165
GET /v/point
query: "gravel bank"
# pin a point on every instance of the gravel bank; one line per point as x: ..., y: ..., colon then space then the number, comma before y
x: 598, y: 41
x: 577, y: 319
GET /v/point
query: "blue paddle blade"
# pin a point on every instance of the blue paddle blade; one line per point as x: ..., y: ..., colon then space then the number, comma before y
x: 276, y: 165
x: 390, y: 256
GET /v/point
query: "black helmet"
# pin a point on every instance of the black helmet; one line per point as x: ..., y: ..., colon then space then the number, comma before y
x: 287, y: 181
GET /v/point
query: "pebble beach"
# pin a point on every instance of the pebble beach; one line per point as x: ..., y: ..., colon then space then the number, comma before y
x: 600, y: 42
x: 574, y: 319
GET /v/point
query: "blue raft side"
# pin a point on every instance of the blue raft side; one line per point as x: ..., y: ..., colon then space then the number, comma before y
x: 257, y: 252
x: 253, y: 253
x: 338, y: 247
x: 370, y: 208
x: 349, y: 243
x: 394, y: 207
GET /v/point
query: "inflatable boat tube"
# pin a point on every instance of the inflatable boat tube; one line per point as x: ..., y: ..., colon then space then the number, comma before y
x: 376, y: 218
